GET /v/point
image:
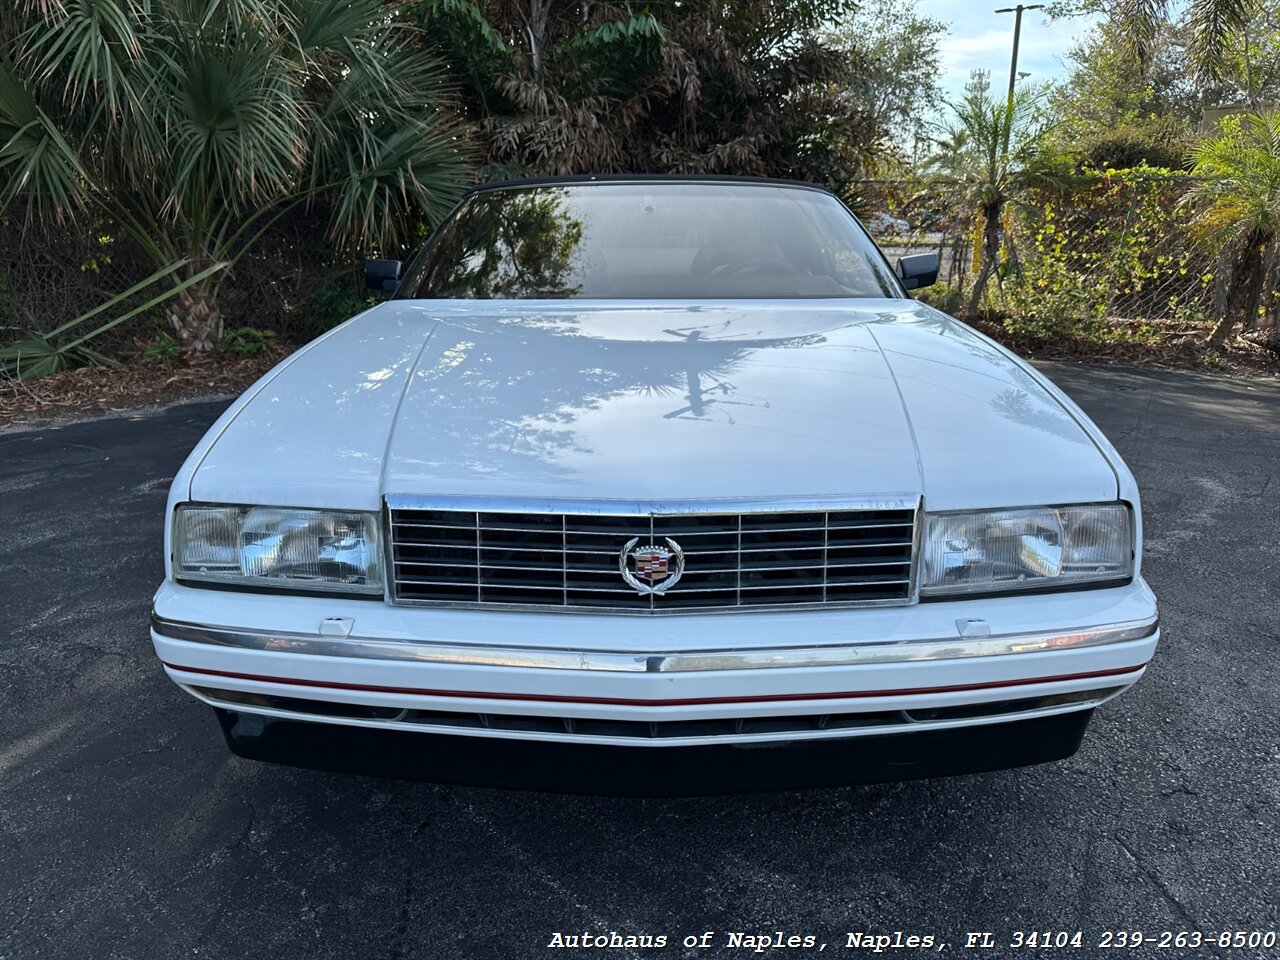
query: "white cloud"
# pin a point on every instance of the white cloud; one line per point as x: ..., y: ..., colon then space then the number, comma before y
x: 981, y: 39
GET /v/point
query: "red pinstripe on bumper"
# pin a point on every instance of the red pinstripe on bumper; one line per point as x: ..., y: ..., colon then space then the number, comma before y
x: 690, y: 701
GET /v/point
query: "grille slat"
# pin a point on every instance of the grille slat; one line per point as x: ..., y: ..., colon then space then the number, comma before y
x: 814, y: 548
x: 732, y: 560
x: 763, y: 567
x: 511, y: 585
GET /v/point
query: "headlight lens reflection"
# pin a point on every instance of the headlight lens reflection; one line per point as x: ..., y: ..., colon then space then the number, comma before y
x: 1010, y: 550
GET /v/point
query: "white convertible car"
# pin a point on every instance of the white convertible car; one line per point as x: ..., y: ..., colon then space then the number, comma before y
x: 657, y: 486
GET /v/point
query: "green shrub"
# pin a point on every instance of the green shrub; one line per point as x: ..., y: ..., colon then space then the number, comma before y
x: 942, y: 297
x: 247, y: 341
x: 1159, y: 142
x: 336, y: 301
x: 1117, y: 248
x: 1056, y: 294
x: 163, y: 346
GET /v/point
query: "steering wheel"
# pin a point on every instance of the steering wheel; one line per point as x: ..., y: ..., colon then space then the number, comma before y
x: 785, y: 267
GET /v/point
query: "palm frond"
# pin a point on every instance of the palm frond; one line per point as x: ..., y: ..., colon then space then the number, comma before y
x: 389, y: 146
x: 468, y: 15
x: 35, y: 159
x: 1139, y: 24
x: 90, y: 52
x: 35, y: 356
x: 418, y: 167
x: 645, y: 26
x: 1213, y: 24
x: 1237, y: 188
x: 237, y: 126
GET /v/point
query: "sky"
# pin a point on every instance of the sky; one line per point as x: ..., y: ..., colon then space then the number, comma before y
x: 981, y: 38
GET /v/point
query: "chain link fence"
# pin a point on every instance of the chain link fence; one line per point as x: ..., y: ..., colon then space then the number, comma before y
x: 292, y: 281
x: 1115, y: 248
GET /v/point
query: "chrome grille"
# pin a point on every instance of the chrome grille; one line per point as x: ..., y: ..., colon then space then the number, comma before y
x: 447, y: 555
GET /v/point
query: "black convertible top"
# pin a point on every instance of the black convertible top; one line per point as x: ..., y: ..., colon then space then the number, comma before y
x: 643, y: 178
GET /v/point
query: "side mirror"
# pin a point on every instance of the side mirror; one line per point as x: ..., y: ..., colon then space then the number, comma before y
x: 918, y: 270
x: 382, y: 275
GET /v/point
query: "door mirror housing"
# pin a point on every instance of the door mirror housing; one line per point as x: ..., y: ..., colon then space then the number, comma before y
x: 918, y: 270
x: 382, y: 276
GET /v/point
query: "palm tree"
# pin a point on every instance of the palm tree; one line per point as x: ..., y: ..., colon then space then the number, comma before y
x: 621, y: 86
x: 1214, y: 25
x: 1237, y: 196
x: 191, y: 125
x: 984, y: 160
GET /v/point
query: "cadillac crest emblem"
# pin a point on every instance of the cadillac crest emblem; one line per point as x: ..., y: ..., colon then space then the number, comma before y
x: 651, y: 568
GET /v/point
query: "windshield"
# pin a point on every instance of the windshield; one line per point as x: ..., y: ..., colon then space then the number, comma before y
x: 650, y: 240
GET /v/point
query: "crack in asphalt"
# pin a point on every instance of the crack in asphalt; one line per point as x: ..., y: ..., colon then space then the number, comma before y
x: 401, y: 929
x: 1170, y: 897
x: 508, y: 844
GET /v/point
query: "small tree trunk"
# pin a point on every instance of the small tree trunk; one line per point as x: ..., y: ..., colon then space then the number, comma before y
x: 1264, y: 310
x: 196, y: 320
x: 990, y: 257
x: 979, y: 285
x: 1218, y: 335
x: 1243, y: 291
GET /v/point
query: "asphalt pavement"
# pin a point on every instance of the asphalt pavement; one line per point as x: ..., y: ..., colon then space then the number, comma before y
x: 128, y: 831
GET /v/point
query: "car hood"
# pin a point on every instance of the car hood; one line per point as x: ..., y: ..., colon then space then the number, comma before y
x: 653, y: 401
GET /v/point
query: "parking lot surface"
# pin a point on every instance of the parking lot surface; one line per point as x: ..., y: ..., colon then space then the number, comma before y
x: 127, y: 830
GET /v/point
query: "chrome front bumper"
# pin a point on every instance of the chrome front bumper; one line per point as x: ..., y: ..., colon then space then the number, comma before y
x: 502, y: 655
x: 857, y: 676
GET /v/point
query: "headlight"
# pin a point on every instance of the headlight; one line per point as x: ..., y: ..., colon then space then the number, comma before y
x: 330, y: 550
x: 998, y: 551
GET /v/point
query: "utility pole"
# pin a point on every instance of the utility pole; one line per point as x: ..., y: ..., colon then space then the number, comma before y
x: 1013, y: 64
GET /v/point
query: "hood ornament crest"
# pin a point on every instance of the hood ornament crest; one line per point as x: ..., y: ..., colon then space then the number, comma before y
x: 651, y: 568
